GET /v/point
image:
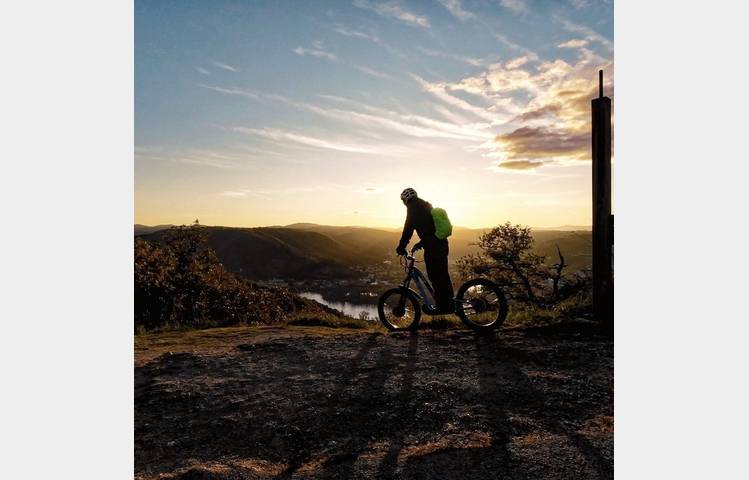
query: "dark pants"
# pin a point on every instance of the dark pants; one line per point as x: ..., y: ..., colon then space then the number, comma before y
x: 435, y: 258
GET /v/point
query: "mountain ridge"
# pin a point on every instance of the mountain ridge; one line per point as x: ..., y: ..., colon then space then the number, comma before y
x: 313, y: 251
x: 141, y: 229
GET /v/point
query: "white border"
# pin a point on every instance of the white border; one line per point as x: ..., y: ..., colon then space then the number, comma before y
x: 681, y: 330
x: 67, y: 197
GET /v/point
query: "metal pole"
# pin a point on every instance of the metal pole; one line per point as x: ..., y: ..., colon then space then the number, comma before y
x: 603, y: 231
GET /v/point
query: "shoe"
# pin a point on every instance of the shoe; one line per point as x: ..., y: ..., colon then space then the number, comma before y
x: 430, y: 310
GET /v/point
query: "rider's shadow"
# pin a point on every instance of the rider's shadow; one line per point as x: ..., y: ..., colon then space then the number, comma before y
x: 488, y: 407
x: 409, y: 419
x: 507, y: 395
x: 380, y: 424
x: 389, y: 464
x: 361, y: 387
x: 394, y: 411
x: 309, y: 440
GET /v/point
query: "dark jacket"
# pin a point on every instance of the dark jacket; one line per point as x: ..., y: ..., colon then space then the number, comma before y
x: 419, y: 218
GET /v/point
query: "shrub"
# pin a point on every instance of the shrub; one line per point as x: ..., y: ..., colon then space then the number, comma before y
x: 179, y: 282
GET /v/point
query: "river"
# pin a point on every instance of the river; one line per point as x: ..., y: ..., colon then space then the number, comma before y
x: 350, y: 309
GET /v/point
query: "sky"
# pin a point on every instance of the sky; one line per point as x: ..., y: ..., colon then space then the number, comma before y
x: 254, y: 113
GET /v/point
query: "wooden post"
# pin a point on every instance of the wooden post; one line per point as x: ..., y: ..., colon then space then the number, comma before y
x: 603, y: 221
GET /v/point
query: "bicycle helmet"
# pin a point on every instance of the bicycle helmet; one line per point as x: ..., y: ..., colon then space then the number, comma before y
x: 408, y: 194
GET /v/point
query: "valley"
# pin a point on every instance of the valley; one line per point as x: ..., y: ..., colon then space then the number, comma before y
x: 349, y: 264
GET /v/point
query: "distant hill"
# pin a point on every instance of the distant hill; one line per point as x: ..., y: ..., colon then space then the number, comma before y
x: 274, y: 252
x: 374, y: 245
x: 567, y: 228
x: 318, y: 227
x: 145, y: 229
x: 576, y: 246
x: 311, y: 251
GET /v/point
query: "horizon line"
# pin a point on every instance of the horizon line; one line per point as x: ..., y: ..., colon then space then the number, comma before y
x: 553, y: 227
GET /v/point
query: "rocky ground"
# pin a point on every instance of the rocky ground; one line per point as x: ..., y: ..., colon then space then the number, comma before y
x: 301, y: 402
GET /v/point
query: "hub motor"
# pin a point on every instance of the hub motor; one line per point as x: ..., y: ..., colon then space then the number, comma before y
x: 479, y: 305
x: 399, y: 311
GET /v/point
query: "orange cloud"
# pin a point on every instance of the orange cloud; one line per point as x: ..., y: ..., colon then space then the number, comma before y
x: 520, y: 164
x: 542, y: 142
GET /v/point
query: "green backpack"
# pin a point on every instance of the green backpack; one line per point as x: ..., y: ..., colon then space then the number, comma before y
x: 442, y: 226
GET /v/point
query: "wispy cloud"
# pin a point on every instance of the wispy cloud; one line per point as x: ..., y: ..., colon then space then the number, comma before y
x: 456, y: 8
x: 517, y: 63
x: 515, y: 46
x: 589, y: 34
x: 193, y: 158
x: 450, y: 115
x: 575, y: 43
x: 578, y: 4
x: 251, y: 94
x: 231, y: 91
x: 405, y: 124
x: 393, y: 9
x: 440, y: 91
x: 204, y: 162
x: 476, y: 62
x: 537, y: 113
x: 225, y: 66
x: 515, y: 5
x: 349, y: 32
x: 237, y: 157
x: 317, y: 50
x: 371, y: 117
x: 371, y: 71
x: 202, y: 70
x: 269, y: 193
x: 292, y: 137
x: 369, y: 35
x: 259, y: 151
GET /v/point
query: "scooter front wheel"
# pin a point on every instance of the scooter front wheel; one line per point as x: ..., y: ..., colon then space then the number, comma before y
x: 399, y: 310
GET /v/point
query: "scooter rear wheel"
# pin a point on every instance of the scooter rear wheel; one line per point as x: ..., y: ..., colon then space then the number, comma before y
x: 481, y: 304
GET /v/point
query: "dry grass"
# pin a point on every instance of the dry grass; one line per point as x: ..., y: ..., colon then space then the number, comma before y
x: 330, y: 321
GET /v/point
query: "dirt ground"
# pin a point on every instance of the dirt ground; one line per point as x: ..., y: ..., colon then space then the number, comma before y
x: 298, y: 402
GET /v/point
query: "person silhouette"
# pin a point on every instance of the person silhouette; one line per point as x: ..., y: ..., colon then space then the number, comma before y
x: 419, y: 218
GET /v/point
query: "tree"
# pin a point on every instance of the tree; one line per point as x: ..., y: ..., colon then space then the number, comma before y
x: 506, y: 255
x: 557, y: 272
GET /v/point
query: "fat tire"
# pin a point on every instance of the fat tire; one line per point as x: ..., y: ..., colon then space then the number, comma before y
x: 410, y: 297
x: 501, y: 314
